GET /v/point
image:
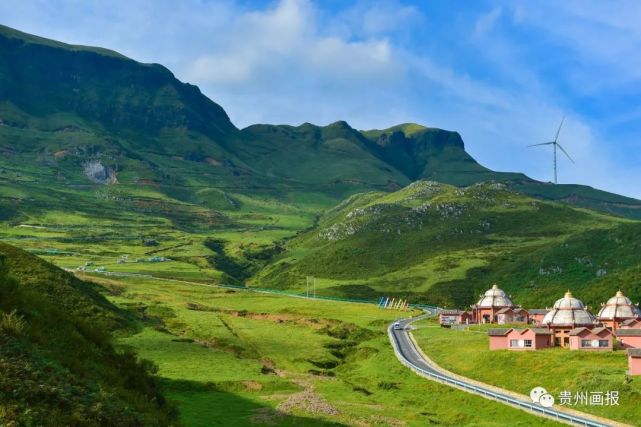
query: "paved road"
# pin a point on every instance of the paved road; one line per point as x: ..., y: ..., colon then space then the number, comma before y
x: 407, y: 352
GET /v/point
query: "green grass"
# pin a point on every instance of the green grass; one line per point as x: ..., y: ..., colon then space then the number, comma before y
x: 252, y: 351
x: 444, y: 245
x: 57, y: 362
x: 556, y: 369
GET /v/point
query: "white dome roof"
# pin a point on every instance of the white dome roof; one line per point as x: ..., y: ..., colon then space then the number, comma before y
x: 619, y: 307
x: 495, y: 297
x: 568, y: 311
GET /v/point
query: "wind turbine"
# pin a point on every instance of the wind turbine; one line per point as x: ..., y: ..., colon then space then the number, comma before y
x: 555, y: 144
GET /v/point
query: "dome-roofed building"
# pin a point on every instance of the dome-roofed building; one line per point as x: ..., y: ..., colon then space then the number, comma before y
x: 492, y: 301
x: 618, y: 309
x: 566, y: 314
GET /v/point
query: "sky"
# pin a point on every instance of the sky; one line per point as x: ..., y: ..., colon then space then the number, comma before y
x: 501, y: 73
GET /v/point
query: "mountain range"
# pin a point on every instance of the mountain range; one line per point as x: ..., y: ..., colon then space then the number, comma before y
x: 81, y: 117
x: 109, y: 151
x: 113, y: 167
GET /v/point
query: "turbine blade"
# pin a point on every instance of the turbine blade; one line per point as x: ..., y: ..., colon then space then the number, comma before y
x: 564, y: 152
x: 543, y: 143
x: 556, y: 138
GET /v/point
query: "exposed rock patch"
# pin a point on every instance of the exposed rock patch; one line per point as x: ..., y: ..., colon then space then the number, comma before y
x: 98, y: 173
x: 307, y: 400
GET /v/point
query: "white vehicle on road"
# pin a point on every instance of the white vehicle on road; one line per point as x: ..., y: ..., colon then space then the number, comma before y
x: 397, y: 326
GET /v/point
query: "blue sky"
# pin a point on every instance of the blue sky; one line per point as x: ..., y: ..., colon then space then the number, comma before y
x: 502, y: 73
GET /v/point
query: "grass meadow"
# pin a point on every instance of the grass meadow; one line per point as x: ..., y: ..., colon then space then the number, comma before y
x: 466, y: 352
x: 228, y: 357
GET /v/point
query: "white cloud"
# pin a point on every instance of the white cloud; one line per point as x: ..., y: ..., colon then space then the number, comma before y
x: 487, y: 21
x: 598, y: 37
x: 287, y: 41
x: 496, y: 75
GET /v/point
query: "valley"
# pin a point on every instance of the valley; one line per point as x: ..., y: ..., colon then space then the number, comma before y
x: 229, y: 357
x: 138, y: 226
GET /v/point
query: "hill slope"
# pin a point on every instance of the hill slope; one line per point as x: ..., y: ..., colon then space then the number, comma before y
x: 75, y: 118
x: 57, y: 366
x: 445, y: 245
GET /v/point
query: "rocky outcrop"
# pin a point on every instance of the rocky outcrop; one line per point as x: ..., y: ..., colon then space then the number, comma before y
x: 98, y: 173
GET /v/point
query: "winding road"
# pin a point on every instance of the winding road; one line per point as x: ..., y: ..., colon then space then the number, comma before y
x: 411, y: 356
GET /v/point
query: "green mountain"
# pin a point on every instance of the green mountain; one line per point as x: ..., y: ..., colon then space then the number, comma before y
x: 57, y: 364
x: 74, y: 118
x: 112, y: 166
x: 439, y: 243
x: 101, y: 154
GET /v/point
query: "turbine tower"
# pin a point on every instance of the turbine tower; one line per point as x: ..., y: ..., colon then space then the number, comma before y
x: 556, y: 145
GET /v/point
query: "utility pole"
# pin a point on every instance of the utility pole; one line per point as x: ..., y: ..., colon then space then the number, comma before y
x: 310, y: 282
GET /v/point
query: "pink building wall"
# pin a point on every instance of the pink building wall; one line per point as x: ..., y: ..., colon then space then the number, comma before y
x: 511, y: 315
x: 575, y: 340
x: 544, y: 341
x: 498, y: 343
x: 634, y: 365
x: 629, y: 342
x: 536, y: 318
x: 538, y: 340
x: 449, y: 318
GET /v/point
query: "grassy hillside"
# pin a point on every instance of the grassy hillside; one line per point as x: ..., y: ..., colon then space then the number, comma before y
x: 239, y: 358
x: 85, y: 126
x: 445, y: 245
x: 555, y: 369
x: 57, y: 363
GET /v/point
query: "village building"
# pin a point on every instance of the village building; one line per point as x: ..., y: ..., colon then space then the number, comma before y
x: 567, y: 314
x: 634, y: 361
x: 536, y: 315
x: 520, y: 339
x: 454, y: 317
x: 498, y: 338
x: 618, y: 309
x: 630, y: 324
x: 486, y: 309
x: 628, y: 338
x: 512, y: 315
x: 591, y: 339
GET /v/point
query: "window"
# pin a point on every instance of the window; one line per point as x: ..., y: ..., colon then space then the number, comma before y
x: 595, y: 343
x: 521, y: 343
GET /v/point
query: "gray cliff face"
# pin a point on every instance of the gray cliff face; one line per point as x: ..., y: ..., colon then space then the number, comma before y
x: 98, y: 173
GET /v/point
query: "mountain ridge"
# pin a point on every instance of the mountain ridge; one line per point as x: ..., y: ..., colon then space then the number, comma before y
x: 64, y: 106
x: 444, y: 244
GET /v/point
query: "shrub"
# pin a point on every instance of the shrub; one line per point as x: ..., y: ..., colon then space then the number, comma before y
x: 12, y: 323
